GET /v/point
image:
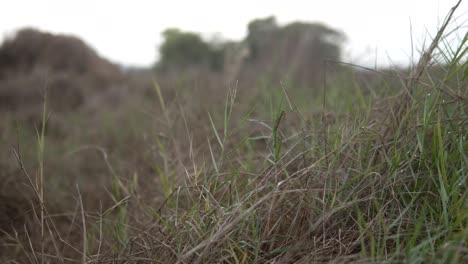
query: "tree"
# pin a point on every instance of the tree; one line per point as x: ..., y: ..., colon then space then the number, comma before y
x: 296, y: 50
x: 186, y: 49
x: 314, y: 40
x: 261, y: 33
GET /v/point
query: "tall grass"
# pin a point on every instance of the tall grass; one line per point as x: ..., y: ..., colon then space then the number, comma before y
x: 377, y: 179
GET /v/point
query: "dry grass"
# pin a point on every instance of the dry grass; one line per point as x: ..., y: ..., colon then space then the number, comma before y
x: 182, y: 171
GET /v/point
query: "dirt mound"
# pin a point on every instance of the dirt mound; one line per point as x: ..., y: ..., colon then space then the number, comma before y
x: 32, y: 60
x: 30, y: 48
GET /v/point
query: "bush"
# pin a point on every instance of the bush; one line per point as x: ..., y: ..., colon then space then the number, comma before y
x: 187, y: 49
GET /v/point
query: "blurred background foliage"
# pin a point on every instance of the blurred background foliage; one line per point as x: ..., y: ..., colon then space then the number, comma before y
x: 295, y: 51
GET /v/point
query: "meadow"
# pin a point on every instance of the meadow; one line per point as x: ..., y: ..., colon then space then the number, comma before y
x: 363, y: 166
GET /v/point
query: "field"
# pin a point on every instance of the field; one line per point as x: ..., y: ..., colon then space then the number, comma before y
x: 363, y: 166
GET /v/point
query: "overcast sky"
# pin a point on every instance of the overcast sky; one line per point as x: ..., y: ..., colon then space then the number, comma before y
x: 128, y: 32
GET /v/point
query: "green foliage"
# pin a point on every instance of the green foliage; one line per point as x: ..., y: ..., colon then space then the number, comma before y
x: 321, y: 42
x: 295, y: 51
x: 261, y: 35
x: 266, y: 38
x: 183, y: 49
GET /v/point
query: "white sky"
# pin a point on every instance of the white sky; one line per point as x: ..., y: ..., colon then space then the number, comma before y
x: 128, y: 32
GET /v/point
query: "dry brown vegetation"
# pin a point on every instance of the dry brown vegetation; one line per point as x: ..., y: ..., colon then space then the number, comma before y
x: 100, y: 164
